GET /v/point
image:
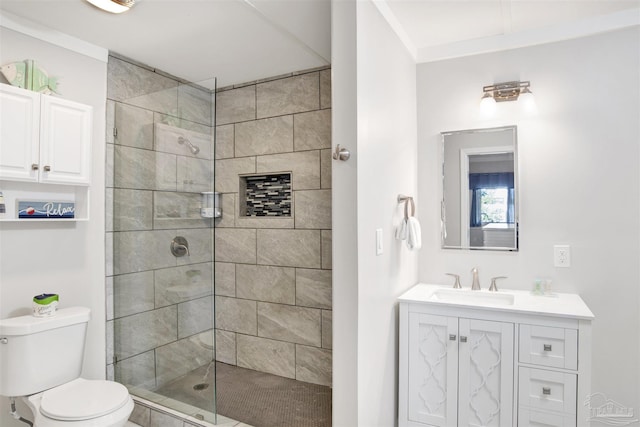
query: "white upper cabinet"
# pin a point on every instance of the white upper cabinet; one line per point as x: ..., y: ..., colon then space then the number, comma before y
x: 43, y: 138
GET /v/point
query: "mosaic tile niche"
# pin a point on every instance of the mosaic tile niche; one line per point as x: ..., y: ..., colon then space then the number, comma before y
x: 266, y: 195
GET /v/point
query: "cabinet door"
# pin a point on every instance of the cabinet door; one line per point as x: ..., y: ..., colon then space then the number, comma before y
x: 19, y: 127
x: 433, y: 369
x: 65, y: 142
x: 486, y: 373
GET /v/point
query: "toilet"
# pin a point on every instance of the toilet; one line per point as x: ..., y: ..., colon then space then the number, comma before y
x: 40, y: 363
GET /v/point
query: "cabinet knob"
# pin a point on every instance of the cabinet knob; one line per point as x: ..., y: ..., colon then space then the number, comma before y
x: 546, y: 391
x: 47, y: 168
x: 547, y: 347
x: 463, y: 338
x: 452, y: 337
x: 34, y: 166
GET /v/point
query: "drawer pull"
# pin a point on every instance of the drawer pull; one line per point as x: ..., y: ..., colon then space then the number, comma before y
x: 547, y: 347
x: 463, y: 338
x: 452, y: 337
x: 546, y: 391
x: 34, y: 167
x: 47, y: 168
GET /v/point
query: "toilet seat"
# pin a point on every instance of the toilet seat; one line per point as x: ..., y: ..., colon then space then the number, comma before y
x: 106, y: 403
x: 82, y: 399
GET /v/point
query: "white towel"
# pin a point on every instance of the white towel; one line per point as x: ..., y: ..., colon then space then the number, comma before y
x: 401, y: 231
x: 414, y: 233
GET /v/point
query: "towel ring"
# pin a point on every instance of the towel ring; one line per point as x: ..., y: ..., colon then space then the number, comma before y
x: 407, y: 200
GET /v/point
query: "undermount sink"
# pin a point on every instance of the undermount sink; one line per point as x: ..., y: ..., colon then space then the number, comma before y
x: 459, y: 296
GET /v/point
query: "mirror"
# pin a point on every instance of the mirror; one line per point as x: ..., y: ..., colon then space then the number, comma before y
x: 480, y: 192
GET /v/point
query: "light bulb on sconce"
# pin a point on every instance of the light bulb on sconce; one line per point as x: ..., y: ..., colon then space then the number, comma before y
x: 504, y: 92
x: 113, y: 6
x: 487, y: 104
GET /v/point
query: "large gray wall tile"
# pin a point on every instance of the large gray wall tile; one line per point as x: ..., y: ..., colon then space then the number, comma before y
x: 265, y: 222
x: 226, y: 347
x: 289, y: 248
x: 160, y: 419
x: 135, y: 126
x: 130, y: 83
x: 141, y: 415
x: 313, y: 288
x: 325, y: 168
x: 305, y: 166
x: 180, y: 357
x: 132, y: 210
x: 267, y: 136
x: 135, y: 251
x: 144, y: 169
x: 110, y: 122
x: 178, y: 210
x: 195, y: 104
x: 313, y: 209
x: 312, y: 130
x: 236, y: 105
x: 286, y: 96
x: 275, y: 357
x: 236, y: 315
x: 109, y: 298
x: 313, y: 365
x: 325, y: 88
x: 195, y: 316
x: 225, y: 283
x: 289, y: 323
x: 133, y: 293
x: 228, y: 203
x: 145, y: 331
x: 108, y: 209
x: 228, y: 171
x: 180, y: 284
x: 327, y: 259
x: 194, y: 175
x: 167, y: 139
x: 200, y: 245
x: 327, y: 329
x: 236, y: 245
x: 110, y: 160
x: 137, y: 371
x: 266, y: 283
x: 225, y: 145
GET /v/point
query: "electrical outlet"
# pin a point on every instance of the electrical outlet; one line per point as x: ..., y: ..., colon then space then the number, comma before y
x: 562, y: 256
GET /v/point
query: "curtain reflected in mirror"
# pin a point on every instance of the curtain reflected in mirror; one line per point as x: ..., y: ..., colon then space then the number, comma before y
x: 480, y: 189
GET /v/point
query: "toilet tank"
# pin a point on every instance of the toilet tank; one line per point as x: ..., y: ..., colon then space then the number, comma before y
x: 38, y: 353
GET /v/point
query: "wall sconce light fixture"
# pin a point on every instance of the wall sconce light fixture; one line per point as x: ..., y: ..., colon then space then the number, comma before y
x: 113, y: 6
x: 508, y: 91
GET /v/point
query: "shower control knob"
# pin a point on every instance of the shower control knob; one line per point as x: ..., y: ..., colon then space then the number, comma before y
x: 341, y: 154
x: 4, y: 341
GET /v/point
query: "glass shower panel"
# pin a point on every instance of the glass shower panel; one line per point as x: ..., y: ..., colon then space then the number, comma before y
x: 161, y: 275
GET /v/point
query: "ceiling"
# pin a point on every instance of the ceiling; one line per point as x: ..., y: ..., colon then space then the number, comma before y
x: 245, y: 40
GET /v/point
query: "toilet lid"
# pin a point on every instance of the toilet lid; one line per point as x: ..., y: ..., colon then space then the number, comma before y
x: 83, y: 399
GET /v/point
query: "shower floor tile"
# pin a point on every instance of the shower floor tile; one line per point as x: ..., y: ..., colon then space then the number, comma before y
x: 254, y: 398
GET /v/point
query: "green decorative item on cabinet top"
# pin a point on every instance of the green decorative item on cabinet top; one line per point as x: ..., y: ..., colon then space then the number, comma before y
x: 28, y: 75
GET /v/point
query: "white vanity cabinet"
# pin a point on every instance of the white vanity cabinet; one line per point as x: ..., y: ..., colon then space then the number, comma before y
x: 461, y: 371
x: 43, y: 138
x: 492, y: 359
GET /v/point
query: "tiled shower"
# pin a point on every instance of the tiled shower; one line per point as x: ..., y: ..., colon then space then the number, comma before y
x: 263, y: 302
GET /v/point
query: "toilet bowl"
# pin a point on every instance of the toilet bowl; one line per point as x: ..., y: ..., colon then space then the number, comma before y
x: 86, y: 403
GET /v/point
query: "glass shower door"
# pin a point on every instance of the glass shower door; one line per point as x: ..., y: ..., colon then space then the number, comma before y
x: 160, y: 323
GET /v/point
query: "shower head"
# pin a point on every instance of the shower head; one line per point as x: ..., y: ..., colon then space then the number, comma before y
x: 194, y: 149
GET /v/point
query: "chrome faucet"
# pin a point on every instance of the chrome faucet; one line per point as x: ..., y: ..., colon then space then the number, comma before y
x: 475, y: 285
x: 456, y: 285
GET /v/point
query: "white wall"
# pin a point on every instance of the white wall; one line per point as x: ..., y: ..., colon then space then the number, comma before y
x: 374, y: 116
x: 68, y: 258
x: 579, y: 182
x: 387, y: 166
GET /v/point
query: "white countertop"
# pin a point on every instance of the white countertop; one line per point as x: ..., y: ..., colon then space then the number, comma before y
x: 558, y: 304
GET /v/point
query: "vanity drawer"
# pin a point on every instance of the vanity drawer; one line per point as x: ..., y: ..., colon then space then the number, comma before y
x: 531, y: 418
x: 547, y: 390
x: 548, y: 346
